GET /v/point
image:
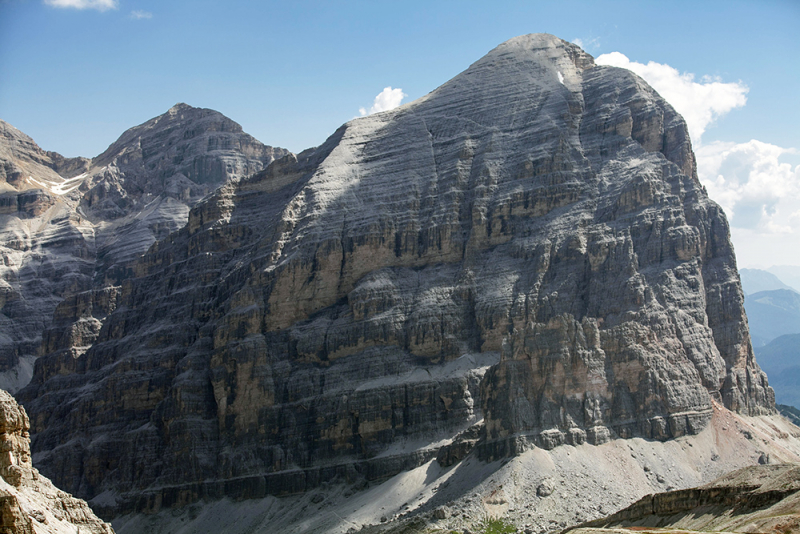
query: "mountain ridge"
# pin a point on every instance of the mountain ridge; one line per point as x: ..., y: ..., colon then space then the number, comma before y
x: 773, y: 313
x: 536, y: 215
x: 63, y: 236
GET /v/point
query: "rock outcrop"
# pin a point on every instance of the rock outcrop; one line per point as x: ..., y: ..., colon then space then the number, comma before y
x: 763, y: 498
x: 70, y: 227
x: 25, y: 166
x: 29, y: 503
x: 537, y: 491
x: 528, y: 245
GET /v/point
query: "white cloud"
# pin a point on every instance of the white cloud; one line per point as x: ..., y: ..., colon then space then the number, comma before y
x: 700, y: 103
x: 387, y: 99
x: 100, y: 5
x: 758, y: 192
x: 760, y: 249
x: 139, y: 15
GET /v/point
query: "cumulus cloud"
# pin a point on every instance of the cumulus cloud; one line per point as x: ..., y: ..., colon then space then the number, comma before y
x: 387, y: 99
x: 700, y: 103
x: 139, y: 15
x: 100, y: 5
x: 758, y: 192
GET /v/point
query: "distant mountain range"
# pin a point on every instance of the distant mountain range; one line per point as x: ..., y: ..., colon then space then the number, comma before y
x: 789, y: 274
x: 773, y: 313
x: 757, y: 280
x: 780, y: 359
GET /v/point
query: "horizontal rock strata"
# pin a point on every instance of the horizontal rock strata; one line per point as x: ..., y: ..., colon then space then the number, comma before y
x: 72, y: 227
x: 29, y: 503
x: 528, y: 244
x: 754, y: 499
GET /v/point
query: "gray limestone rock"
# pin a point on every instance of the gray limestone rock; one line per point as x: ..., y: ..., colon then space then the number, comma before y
x: 527, y: 244
x: 45, y: 248
x: 70, y: 227
x: 144, y: 184
x: 25, y: 495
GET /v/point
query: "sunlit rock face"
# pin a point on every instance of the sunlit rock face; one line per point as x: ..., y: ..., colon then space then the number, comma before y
x: 29, y: 503
x: 147, y: 180
x: 527, y: 246
x: 46, y: 250
x: 70, y: 227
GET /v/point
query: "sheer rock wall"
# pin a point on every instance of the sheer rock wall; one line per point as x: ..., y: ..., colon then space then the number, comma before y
x: 70, y: 227
x: 528, y: 245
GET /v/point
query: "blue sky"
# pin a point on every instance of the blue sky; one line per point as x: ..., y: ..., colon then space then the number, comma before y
x: 74, y: 76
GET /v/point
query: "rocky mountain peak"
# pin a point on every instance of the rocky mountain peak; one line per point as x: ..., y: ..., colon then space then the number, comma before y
x: 521, y: 259
x: 24, y: 165
x: 147, y: 180
x: 179, y: 108
x: 70, y: 227
x: 542, y: 49
x: 172, y: 142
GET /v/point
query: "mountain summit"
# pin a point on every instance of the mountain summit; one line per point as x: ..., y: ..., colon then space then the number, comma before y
x: 521, y: 259
x: 71, y: 226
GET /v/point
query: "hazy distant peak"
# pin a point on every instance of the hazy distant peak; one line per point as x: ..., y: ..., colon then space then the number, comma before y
x: 756, y: 280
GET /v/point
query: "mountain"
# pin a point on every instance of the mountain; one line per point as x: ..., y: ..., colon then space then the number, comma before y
x: 72, y: 227
x: 789, y: 412
x: 148, y: 179
x: 756, y: 280
x: 788, y: 273
x: 787, y: 385
x: 780, y: 359
x: 45, y: 248
x: 779, y: 354
x: 520, y: 260
x: 25, y: 166
x: 771, y: 314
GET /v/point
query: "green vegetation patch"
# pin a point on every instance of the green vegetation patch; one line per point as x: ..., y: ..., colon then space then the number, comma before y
x: 492, y: 525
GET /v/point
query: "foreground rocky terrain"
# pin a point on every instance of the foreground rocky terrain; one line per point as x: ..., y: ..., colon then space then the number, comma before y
x: 521, y: 264
x: 539, y: 490
x: 29, y: 503
x: 70, y: 227
x: 763, y: 498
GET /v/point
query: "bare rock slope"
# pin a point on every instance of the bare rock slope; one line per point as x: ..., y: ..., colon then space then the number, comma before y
x: 71, y: 227
x: 764, y: 498
x: 29, y: 503
x: 522, y: 258
x: 541, y: 491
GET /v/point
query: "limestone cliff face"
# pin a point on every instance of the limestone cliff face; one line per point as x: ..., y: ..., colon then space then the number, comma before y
x: 70, y: 227
x: 148, y: 179
x: 23, y: 163
x: 527, y: 244
x: 29, y: 503
x: 45, y: 248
